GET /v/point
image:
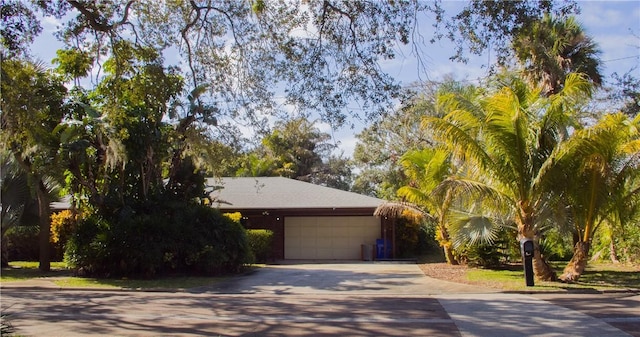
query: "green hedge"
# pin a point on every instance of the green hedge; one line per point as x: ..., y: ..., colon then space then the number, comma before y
x: 174, y: 237
x: 259, y: 241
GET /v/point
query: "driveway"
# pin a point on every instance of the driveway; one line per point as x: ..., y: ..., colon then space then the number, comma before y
x: 340, y: 278
x: 356, y: 299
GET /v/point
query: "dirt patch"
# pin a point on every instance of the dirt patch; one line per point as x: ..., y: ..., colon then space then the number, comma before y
x: 446, y: 272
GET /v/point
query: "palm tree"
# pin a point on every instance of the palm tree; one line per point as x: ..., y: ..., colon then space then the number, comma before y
x: 506, y: 142
x: 601, y: 166
x: 27, y: 131
x: 426, y: 169
x: 19, y: 206
x: 552, y: 48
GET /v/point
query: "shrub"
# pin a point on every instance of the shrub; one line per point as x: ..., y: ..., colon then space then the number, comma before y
x: 22, y: 243
x: 414, y: 238
x: 152, y: 239
x: 259, y: 241
x: 626, y: 243
x: 488, y: 255
x: 61, y: 229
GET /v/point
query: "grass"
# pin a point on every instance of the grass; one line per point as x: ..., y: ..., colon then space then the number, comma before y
x: 598, y: 276
x: 24, y: 270
x: 173, y: 283
x: 62, y: 277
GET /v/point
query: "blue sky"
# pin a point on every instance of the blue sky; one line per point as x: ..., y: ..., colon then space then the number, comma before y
x: 614, y: 25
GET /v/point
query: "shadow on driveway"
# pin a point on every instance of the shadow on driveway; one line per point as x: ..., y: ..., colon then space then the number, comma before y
x: 344, y: 278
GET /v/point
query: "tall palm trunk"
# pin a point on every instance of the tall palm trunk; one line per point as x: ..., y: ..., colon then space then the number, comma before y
x: 445, y: 239
x: 45, y: 227
x: 445, y: 242
x: 541, y: 269
x: 575, y: 268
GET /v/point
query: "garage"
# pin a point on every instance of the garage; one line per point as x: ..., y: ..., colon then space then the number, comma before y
x: 328, y: 238
x: 308, y: 222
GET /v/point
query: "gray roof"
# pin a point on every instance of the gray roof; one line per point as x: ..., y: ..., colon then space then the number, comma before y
x: 284, y: 193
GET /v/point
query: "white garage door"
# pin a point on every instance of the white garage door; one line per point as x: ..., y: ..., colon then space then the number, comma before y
x: 328, y: 238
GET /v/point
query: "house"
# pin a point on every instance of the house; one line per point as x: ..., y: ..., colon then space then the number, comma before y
x: 308, y: 221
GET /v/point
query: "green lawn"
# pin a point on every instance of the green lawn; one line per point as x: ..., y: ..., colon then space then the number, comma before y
x: 598, y: 276
x: 24, y: 270
x: 62, y: 277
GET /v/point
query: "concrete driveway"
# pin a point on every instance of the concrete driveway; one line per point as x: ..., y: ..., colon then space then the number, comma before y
x: 352, y: 278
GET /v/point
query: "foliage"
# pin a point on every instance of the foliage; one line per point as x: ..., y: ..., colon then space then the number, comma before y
x: 380, y: 146
x: 5, y: 324
x: 600, y: 166
x: 414, y: 238
x: 626, y: 91
x: 488, y: 255
x: 19, y: 206
x: 297, y: 149
x: 622, y: 243
x: 504, y: 138
x: 552, y: 48
x: 481, y: 25
x: 157, y: 237
x: 236, y: 216
x: 556, y: 245
x: 29, y: 132
x: 118, y: 154
x: 62, y: 227
x: 325, y: 54
x: 19, y: 27
x: 22, y: 243
x: 259, y: 242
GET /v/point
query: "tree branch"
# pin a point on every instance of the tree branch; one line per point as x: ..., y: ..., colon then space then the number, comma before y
x: 94, y: 19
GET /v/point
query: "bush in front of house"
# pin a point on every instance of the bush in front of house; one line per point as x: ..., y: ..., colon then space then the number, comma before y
x: 259, y: 241
x: 158, y: 238
x: 414, y: 238
x: 21, y: 243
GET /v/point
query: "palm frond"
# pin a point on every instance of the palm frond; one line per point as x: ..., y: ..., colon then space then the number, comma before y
x: 470, y: 229
x: 472, y: 189
x: 395, y: 209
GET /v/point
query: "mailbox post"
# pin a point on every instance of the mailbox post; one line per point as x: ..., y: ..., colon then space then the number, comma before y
x: 526, y: 246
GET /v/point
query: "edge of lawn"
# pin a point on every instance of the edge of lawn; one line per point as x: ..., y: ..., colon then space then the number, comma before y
x: 26, y: 273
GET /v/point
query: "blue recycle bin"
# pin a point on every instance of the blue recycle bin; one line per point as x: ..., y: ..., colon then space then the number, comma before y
x: 380, y: 251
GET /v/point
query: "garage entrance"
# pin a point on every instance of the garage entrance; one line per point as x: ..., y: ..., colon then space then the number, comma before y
x: 328, y: 238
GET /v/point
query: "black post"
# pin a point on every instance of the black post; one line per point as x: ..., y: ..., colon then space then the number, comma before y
x: 526, y: 246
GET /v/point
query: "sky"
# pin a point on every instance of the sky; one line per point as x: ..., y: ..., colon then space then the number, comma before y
x: 614, y: 26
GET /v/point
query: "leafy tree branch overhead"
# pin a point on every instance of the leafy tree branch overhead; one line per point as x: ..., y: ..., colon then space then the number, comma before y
x: 322, y: 54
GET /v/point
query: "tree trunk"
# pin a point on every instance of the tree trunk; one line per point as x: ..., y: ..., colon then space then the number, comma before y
x: 448, y: 254
x: 613, y: 254
x: 541, y: 268
x: 445, y: 242
x: 578, y: 263
x: 45, y: 227
x: 5, y: 252
x: 444, y: 238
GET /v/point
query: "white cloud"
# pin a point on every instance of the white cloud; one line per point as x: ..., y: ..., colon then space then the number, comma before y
x: 598, y: 15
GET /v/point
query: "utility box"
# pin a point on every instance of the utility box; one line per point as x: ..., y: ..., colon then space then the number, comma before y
x: 366, y: 251
x: 527, y: 248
